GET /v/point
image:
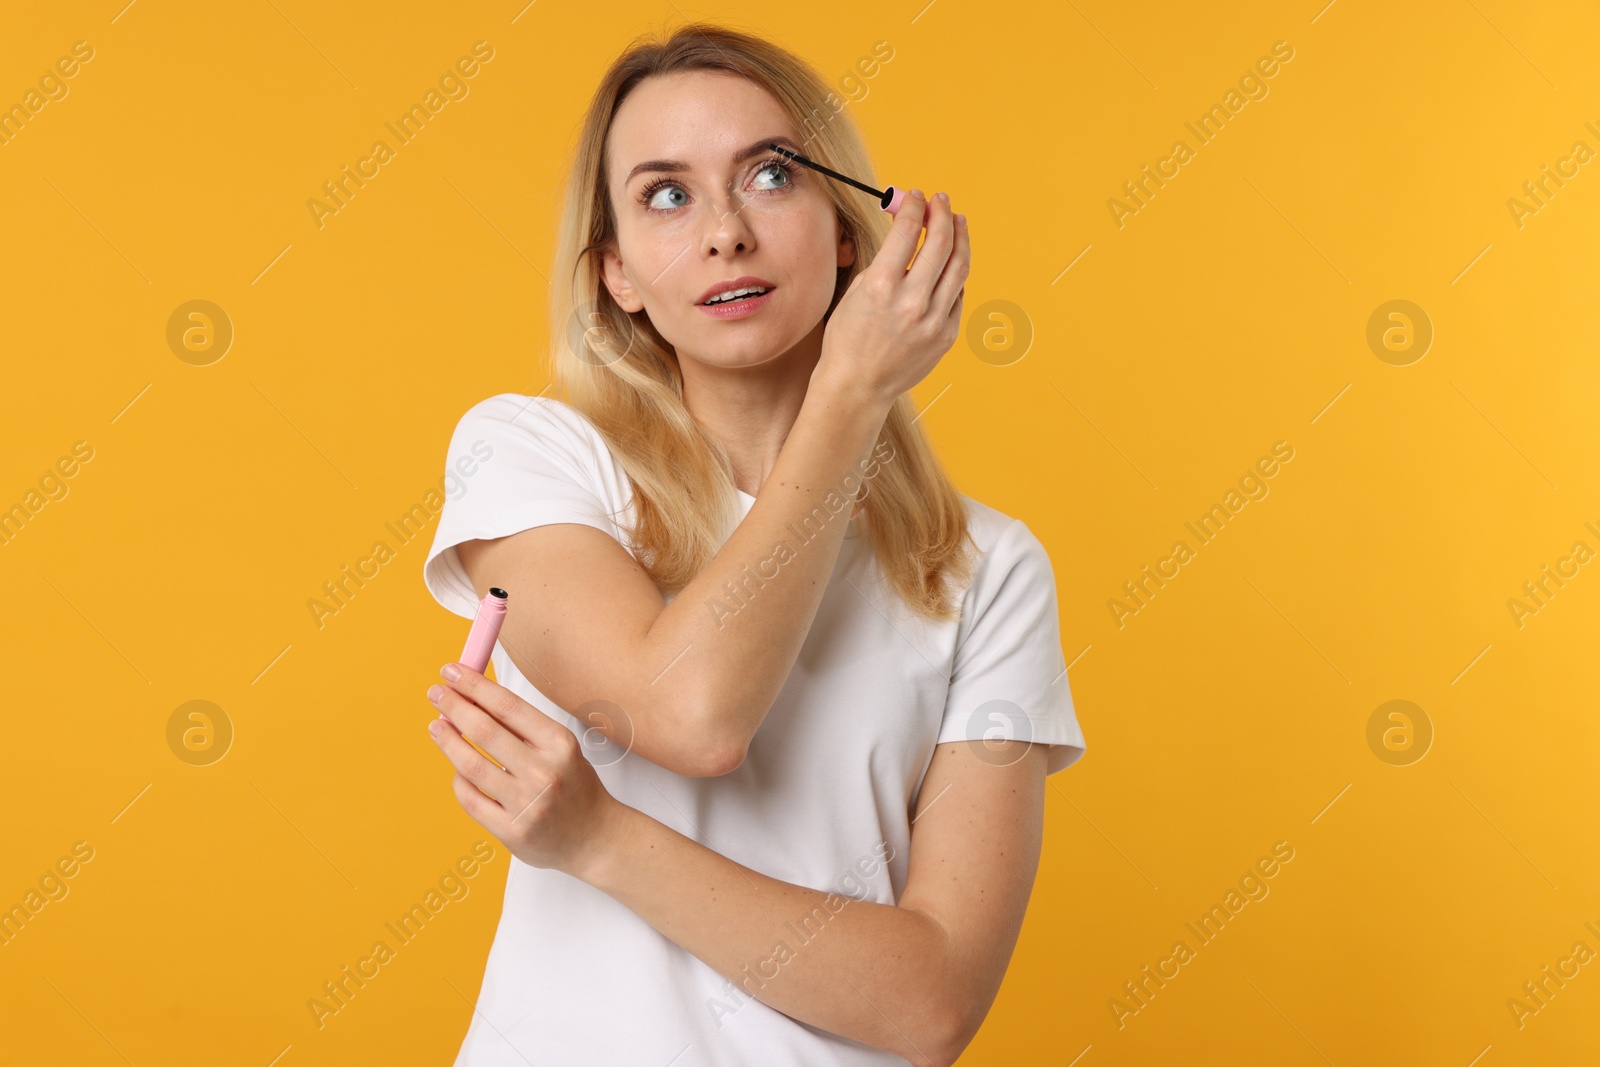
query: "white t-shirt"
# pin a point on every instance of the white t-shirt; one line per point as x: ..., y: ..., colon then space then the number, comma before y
x: 823, y: 798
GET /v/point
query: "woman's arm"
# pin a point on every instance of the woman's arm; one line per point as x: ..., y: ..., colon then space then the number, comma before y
x: 916, y: 978
x: 587, y: 624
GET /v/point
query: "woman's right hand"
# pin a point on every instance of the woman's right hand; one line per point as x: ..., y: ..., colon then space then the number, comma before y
x: 892, y: 324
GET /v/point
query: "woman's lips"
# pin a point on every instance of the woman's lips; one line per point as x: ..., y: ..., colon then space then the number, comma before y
x: 737, y: 309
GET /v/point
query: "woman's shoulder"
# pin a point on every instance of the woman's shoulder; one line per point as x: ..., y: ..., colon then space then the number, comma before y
x: 995, y: 532
x: 518, y: 409
x: 542, y: 436
x: 516, y: 418
x: 1012, y: 567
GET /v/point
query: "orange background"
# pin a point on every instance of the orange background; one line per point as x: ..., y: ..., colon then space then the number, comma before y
x: 1230, y: 312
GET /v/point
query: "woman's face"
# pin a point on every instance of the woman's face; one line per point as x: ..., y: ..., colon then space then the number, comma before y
x: 698, y: 202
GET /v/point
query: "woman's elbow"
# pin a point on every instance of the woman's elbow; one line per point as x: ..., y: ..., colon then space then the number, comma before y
x: 696, y: 759
x: 953, y: 1044
x: 936, y: 1046
x: 939, y: 1031
x: 700, y: 747
x: 721, y: 754
x: 953, y: 1028
x: 946, y: 1043
x: 725, y: 760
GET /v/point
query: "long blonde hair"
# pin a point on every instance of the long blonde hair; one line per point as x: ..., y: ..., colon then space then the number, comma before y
x: 683, y: 489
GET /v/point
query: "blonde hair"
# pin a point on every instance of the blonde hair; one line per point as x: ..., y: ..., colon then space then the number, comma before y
x: 683, y: 490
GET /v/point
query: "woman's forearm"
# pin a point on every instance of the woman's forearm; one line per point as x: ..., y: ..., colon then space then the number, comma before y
x: 732, y: 635
x: 874, y: 973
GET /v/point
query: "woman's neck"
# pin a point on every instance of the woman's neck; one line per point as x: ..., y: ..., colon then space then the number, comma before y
x: 751, y: 410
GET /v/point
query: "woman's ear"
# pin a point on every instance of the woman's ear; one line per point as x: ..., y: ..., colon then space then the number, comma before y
x: 617, y: 281
x: 847, y: 251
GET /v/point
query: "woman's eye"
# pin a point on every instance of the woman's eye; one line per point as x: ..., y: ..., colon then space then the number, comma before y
x: 777, y: 169
x: 655, y: 198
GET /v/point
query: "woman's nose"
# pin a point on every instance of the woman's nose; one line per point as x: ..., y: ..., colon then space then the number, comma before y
x: 727, y: 231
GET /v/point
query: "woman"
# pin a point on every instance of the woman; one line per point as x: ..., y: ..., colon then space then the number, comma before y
x: 747, y: 644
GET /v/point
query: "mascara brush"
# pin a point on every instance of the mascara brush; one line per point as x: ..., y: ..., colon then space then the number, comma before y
x: 889, y: 199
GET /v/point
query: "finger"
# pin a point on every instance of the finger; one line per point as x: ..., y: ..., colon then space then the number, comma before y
x: 479, y: 727
x: 935, y: 252
x: 516, y: 714
x: 956, y: 270
x: 901, y: 241
x: 491, y: 781
x: 954, y: 318
x: 486, y: 811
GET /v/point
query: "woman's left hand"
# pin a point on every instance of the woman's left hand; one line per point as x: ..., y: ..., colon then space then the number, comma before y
x: 548, y: 806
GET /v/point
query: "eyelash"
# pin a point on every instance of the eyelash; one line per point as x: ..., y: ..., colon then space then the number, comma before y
x: 661, y: 183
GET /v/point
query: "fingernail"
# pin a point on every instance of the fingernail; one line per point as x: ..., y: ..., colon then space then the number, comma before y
x: 943, y: 196
x: 435, y: 693
x: 434, y: 729
x: 450, y: 671
x: 917, y: 193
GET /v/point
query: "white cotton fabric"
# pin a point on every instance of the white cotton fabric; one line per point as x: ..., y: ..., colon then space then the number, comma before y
x: 823, y: 799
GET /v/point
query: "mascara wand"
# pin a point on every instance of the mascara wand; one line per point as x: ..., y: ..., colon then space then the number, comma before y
x: 889, y: 199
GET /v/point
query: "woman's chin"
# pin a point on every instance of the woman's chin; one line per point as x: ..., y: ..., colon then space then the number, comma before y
x: 744, y: 354
x: 747, y: 348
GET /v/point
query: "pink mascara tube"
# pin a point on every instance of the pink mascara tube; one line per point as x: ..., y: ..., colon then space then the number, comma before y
x: 485, y: 630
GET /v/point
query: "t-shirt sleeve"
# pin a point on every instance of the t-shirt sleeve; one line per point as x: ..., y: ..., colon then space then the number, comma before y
x: 515, y: 462
x: 1010, y: 678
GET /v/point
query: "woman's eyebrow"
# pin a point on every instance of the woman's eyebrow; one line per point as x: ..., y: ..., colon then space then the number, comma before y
x: 674, y: 166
